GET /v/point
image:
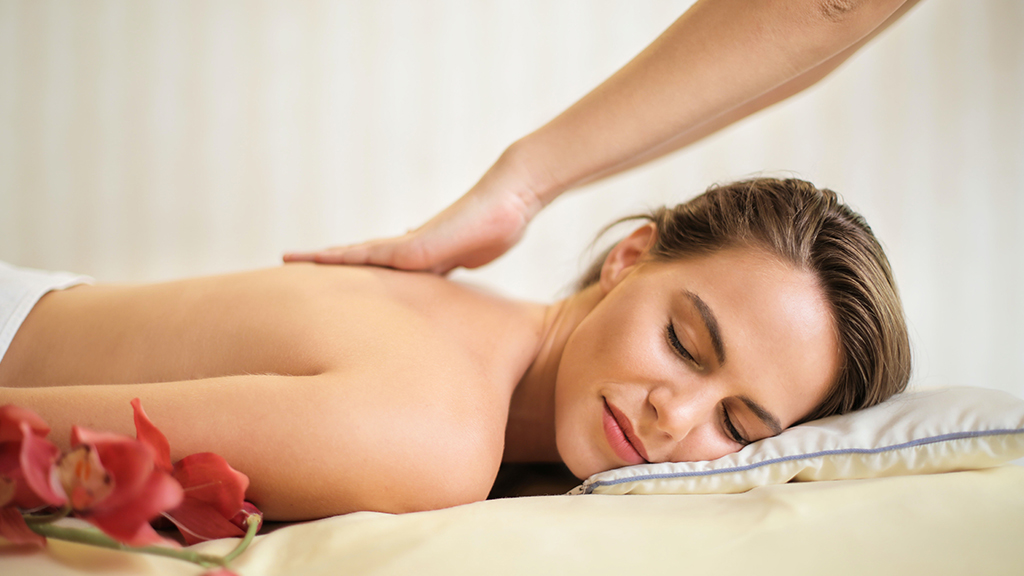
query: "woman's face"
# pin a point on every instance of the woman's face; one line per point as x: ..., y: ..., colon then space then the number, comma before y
x: 691, y: 360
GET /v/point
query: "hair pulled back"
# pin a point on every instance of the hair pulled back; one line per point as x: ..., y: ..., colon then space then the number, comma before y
x: 813, y: 230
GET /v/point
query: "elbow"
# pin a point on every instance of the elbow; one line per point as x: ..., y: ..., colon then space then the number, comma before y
x: 842, y: 11
x: 462, y: 474
x: 837, y: 10
x: 438, y: 499
x: 428, y: 491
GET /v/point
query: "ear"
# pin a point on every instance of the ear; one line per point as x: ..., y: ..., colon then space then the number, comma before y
x: 625, y: 256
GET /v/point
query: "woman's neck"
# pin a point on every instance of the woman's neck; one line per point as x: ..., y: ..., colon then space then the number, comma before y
x: 530, y: 432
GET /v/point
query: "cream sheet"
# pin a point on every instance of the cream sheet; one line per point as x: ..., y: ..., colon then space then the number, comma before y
x: 956, y: 523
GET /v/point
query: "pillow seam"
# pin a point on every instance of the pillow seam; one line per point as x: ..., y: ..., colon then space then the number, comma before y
x: 589, y: 488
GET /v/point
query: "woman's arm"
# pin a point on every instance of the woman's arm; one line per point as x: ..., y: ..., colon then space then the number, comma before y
x: 312, y: 446
x: 719, y: 62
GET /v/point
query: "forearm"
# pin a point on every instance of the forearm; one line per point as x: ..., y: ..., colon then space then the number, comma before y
x: 255, y: 422
x: 720, y: 61
x: 773, y: 96
x: 311, y: 446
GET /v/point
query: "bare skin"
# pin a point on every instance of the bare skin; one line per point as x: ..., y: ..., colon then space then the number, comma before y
x: 317, y: 382
x: 720, y: 62
x: 338, y: 389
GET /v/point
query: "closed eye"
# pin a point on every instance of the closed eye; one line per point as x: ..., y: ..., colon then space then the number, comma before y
x: 673, y: 340
x: 731, y: 430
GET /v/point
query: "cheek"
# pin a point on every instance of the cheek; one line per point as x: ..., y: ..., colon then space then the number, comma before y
x: 583, y: 379
x: 614, y: 344
x: 611, y: 354
x: 574, y: 383
x: 575, y: 408
x: 607, y: 356
x: 702, y: 445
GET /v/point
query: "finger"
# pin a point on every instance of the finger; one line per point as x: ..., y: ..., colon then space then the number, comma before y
x: 443, y: 268
x: 299, y: 257
x: 340, y: 255
x: 400, y: 253
x: 374, y: 253
x: 335, y: 255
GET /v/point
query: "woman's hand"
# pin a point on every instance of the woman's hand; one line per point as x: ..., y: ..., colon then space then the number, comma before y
x: 477, y: 228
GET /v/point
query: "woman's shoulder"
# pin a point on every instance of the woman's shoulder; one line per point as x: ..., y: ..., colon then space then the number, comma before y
x: 373, y: 314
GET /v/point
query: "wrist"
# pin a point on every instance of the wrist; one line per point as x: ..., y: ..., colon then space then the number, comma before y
x: 531, y: 178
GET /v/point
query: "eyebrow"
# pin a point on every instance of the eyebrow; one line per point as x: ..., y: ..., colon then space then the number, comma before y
x: 763, y: 415
x: 710, y: 322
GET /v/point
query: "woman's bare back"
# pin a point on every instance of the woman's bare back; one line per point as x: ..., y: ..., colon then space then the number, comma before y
x: 333, y: 388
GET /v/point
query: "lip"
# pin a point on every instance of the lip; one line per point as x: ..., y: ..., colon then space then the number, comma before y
x: 619, y: 432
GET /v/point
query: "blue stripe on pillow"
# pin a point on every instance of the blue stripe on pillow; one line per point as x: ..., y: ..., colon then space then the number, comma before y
x: 919, y: 442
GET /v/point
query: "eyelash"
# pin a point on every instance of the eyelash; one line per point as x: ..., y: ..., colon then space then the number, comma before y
x: 730, y: 429
x: 677, y: 345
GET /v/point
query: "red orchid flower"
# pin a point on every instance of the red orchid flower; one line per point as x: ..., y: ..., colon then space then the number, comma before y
x: 109, y: 480
x: 214, y: 503
x: 25, y: 456
x: 112, y: 482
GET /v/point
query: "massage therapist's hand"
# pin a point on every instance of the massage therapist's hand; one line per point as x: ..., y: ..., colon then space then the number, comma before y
x: 477, y: 228
x: 753, y: 54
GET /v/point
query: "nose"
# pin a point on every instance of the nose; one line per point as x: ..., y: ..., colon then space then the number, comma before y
x: 677, y: 412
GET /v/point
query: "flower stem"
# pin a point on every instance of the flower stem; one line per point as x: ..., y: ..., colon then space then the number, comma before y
x: 254, y: 525
x: 97, y: 538
x: 47, y: 518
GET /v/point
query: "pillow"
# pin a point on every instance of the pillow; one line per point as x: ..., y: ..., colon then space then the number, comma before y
x: 922, y: 432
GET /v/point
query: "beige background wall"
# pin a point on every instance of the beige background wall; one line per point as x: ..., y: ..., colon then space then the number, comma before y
x: 143, y: 140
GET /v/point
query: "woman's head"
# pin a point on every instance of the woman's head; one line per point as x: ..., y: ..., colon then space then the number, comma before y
x: 805, y: 299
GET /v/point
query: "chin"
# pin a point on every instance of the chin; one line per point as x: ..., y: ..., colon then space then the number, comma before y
x: 580, y: 470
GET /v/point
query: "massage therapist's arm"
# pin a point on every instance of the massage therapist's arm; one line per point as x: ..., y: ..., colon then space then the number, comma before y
x: 719, y: 62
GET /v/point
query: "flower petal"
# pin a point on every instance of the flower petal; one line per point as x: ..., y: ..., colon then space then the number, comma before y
x: 14, y: 528
x: 7, y: 488
x: 151, y: 436
x: 129, y: 523
x: 12, y: 416
x: 242, y: 518
x: 36, y: 459
x: 208, y: 478
x: 199, y: 522
x: 129, y: 462
x: 10, y: 467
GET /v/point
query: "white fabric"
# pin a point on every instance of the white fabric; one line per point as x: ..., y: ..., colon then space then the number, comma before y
x: 937, y: 524
x: 20, y: 289
x: 921, y: 432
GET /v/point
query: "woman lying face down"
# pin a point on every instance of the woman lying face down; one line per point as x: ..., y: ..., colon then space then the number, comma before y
x: 719, y: 322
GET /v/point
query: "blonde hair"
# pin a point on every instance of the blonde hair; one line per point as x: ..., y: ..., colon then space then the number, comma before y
x: 813, y: 230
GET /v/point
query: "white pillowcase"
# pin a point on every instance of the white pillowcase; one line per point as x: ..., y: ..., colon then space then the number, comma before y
x: 922, y: 432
